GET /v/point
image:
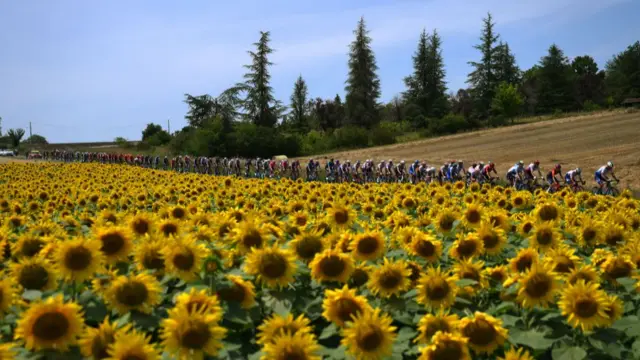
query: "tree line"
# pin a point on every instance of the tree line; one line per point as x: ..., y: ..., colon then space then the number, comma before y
x: 247, y: 120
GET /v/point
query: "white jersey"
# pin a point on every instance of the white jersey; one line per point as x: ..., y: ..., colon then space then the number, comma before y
x: 604, y: 170
x: 571, y: 174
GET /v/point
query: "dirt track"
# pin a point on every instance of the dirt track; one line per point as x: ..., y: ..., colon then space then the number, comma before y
x: 585, y: 141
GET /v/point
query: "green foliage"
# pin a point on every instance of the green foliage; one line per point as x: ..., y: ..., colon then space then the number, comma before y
x: 315, y: 142
x: 300, y: 106
x: 506, y: 69
x: 154, y: 135
x: 450, y: 124
x: 507, y: 102
x: 350, y: 137
x: 623, y: 74
x: 483, y: 79
x: 555, y: 90
x: 121, y: 142
x: 589, y: 83
x: 381, y: 135
x: 363, y: 85
x: 36, y: 139
x: 262, y: 108
x: 15, y: 135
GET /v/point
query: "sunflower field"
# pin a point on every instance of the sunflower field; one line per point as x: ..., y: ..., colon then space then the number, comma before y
x: 116, y: 262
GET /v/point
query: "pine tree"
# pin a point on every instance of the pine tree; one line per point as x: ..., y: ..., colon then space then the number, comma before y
x: 506, y: 69
x: 260, y: 103
x: 483, y: 78
x: 426, y: 87
x: 555, y: 91
x: 299, y: 105
x: 363, y: 85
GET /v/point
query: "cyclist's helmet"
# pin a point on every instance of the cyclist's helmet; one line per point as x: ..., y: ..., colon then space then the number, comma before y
x: 610, y: 164
x: 558, y: 167
x: 402, y: 162
x: 578, y: 171
x: 537, y: 162
x: 460, y: 162
x: 417, y: 162
x: 481, y: 163
x: 521, y: 162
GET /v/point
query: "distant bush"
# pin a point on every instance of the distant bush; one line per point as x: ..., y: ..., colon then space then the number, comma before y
x: 350, y: 137
x: 590, y: 106
x: 382, y: 135
x: 450, y: 124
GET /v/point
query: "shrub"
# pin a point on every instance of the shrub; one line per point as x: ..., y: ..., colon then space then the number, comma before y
x: 350, y: 137
x: 450, y: 124
x: 383, y: 136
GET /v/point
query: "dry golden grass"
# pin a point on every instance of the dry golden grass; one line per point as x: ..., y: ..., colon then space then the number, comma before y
x: 586, y: 141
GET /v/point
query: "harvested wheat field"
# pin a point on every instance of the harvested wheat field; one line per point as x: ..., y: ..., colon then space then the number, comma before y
x: 586, y: 141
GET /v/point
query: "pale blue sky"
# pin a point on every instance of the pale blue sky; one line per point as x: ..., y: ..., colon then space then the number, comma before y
x: 94, y: 70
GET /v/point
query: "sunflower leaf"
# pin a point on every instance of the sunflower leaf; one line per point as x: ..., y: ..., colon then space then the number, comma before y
x: 531, y: 338
x: 625, y: 323
x: 466, y: 282
x: 328, y: 332
x: 568, y: 353
x: 628, y: 283
x: 32, y: 295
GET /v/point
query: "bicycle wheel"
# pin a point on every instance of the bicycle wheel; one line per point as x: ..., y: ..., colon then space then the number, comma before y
x: 614, y: 192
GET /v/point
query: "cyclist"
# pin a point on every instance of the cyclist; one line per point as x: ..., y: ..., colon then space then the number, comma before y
x: 572, y: 177
x: 515, y: 173
x: 443, y: 172
x: 487, y: 170
x: 602, y: 173
x: 551, y: 175
x: 413, y: 170
x: 528, y: 171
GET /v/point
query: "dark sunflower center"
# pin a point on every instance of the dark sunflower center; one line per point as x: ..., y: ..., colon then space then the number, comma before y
x: 619, y: 269
x: 446, y: 223
x: 496, y: 221
x: 497, y: 276
x: 359, y: 277
x: 33, y: 277
x: 308, y: 247
x: 293, y: 353
x: 490, y: 241
x: 466, y: 248
x: 196, y: 336
x: 31, y: 247
x: 425, y: 248
x: 518, y: 201
x: 435, y: 326
x: 332, y: 266
x: 563, y: 264
x: 112, y: 243
x: 301, y: 220
x: 524, y: 263
x: 273, y: 266
x: 340, y: 217
x: 586, y: 308
x: 252, y: 239
x: 449, y: 350
x: 233, y: 293
x: 77, y: 258
x: 141, y: 226
x: 526, y: 228
x: 415, y: 272
x: 178, y: 213
x: 480, y: 332
x: 614, y: 238
x: 169, y: 229
x: 544, y: 237
x: 588, y: 234
x: 370, y: 339
x: 50, y: 326
x: 538, y: 285
x: 548, y: 212
x: 390, y: 280
x: 184, y: 260
x: 152, y: 260
x: 367, y: 245
x: 438, y: 290
x: 132, y: 294
x: 100, y: 344
x: 473, y: 216
x: 346, y: 308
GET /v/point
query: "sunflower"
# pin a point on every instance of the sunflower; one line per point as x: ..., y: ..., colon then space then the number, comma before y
x: 199, y: 300
x: 493, y: 239
x: 95, y: 342
x: 472, y: 270
x: 615, y: 267
x: 142, y: 224
x: 341, y: 305
x: 331, y: 265
x: 249, y: 234
x: 590, y: 232
x: 405, y: 235
x: 547, y: 211
x: 516, y: 354
x: 614, y: 309
x: 169, y: 227
x: 538, y: 287
x: 241, y: 292
x: 586, y: 273
x: 8, y: 295
x: 436, y: 289
x: 524, y: 259
x: 426, y: 246
x: 29, y: 245
x: 183, y: 258
x: 584, y: 305
x: 446, y: 346
x: 7, y: 352
x: 79, y: 259
x: 430, y: 324
x: 498, y: 218
x: 50, y: 324
x: 299, y: 346
x: 223, y: 226
x: 466, y: 246
x: 191, y: 334
x: 277, y: 325
x: 369, y: 336
x: 599, y: 256
x: 148, y: 254
x: 307, y: 244
x: 340, y: 216
x: 140, y: 292
x: 390, y: 278
x: 369, y: 245
x: 272, y: 266
x: 178, y: 212
x: 115, y: 242
x: 562, y: 259
x: 360, y: 275
x: 132, y: 344
x: 614, y: 235
x: 472, y: 215
x: 34, y: 273
x: 445, y: 221
x: 485, y: 333
x: 497, y: 273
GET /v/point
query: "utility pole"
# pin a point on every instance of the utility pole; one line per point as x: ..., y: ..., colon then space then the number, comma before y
x: 30, y: 133
x: 169, y: 126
